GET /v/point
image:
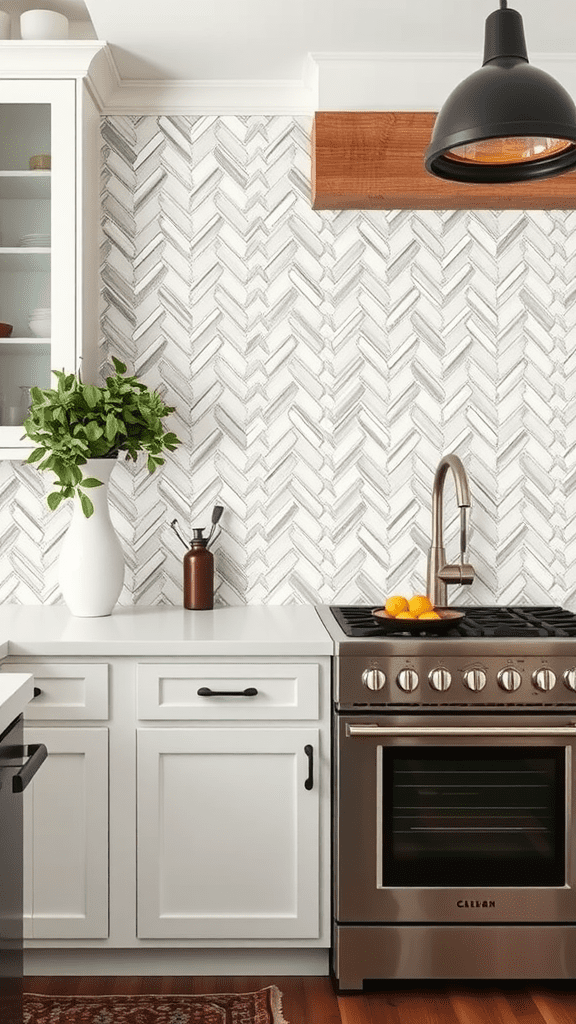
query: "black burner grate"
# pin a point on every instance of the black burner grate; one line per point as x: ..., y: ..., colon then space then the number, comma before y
x: 543, y: 621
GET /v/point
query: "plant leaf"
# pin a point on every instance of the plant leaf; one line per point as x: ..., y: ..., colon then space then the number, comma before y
x: 118, y: 366
x: 54, y: 499
x: 92, y: 395
x: 93, y: 430
x: 87, y: 506
x: 110, y: 426
x: 151, y: 464
x: 36, y: 455
x: 90, y: 481
x: 37, y: 396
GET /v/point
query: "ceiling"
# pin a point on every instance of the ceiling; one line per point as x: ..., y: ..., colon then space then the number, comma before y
x: 269, y: 39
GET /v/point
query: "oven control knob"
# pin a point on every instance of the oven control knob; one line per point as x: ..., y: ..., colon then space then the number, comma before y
x: 440, y: 678
x: 569, y: 678
x: 544, y: 679
x: 475, y: 679
x: 509, y: 679
x: 407, y: 679
x: 373, y: 678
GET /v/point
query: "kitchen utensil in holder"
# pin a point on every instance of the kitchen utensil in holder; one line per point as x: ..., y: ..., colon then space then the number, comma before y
x: 198, y: 564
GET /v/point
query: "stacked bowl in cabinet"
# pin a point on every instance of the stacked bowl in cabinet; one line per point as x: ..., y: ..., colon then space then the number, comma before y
x: 40, y: 322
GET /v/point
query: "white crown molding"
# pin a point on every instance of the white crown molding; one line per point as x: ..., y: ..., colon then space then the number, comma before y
x: 48, y: 58
x: 330, y: 81
x: 409, y: 81
x: 209, y: 97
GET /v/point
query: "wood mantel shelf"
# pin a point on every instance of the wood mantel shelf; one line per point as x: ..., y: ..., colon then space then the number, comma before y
x: 375, y: 161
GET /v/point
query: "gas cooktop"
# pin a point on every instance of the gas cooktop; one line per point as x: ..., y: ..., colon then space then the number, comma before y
x: 494, y: 655
x: 490, y: 621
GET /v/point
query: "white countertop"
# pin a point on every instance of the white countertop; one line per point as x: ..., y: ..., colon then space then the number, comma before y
x: 247, y: 630
x: 16, y: 689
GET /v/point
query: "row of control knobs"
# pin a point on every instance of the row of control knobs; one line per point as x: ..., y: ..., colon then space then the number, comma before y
x: 474, y: 678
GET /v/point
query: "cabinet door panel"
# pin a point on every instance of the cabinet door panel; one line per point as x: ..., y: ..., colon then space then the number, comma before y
x: 227, y: 834
x: 66, y: 842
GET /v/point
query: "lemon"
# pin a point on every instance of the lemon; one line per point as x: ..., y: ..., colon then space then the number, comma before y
x: 395, y: 605
x: 419, y: 604
x: 429, y: 615
x: 406, y: 615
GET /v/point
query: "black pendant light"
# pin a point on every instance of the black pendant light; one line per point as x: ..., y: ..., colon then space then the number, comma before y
x: 508, y: 121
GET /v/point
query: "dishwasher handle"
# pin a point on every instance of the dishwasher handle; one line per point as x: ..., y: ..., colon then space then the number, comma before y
x: 37, y: 754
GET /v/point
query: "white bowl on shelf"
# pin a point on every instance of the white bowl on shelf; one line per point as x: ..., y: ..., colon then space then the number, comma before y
x: 43, y: 25
x: 41, y: 326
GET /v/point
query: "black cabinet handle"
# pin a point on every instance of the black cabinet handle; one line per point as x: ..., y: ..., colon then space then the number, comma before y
x: 309, y: 751
x: 37, y: 692
x: 205, y: 691
x: 37, y: 754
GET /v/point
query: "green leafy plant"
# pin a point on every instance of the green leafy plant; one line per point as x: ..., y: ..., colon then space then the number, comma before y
x: 76, y: 422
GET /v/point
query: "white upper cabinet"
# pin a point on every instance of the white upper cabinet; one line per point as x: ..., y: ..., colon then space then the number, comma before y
x: 48, y: 239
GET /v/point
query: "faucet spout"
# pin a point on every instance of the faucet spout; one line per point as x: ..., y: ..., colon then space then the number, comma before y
x: 439, y: 573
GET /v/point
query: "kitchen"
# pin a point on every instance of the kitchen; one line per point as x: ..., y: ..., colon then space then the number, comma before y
x: 320, y: 362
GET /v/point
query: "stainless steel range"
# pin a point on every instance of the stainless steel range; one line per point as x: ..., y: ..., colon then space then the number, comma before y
x: 454, y: 756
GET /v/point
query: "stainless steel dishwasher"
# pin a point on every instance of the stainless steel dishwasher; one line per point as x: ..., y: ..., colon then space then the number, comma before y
x: 18, y: 765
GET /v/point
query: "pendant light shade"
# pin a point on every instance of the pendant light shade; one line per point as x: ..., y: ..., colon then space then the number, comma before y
x: 508, y: 121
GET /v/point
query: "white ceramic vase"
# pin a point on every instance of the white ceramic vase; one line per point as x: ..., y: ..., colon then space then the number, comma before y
x: 91, y: 568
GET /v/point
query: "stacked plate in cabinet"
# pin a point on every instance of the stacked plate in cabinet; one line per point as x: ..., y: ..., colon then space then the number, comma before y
x: 35, y: 241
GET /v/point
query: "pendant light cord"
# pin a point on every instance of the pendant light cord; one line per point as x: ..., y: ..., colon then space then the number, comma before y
x: 503, y: 5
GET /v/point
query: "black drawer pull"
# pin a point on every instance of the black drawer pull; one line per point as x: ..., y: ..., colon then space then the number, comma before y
x: 205, y: 691
x: 37, y: 692
x: 309, y: 751
x: 37, y: 754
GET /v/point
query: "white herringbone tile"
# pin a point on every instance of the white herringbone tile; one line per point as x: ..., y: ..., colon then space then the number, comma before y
x: 320, y: 364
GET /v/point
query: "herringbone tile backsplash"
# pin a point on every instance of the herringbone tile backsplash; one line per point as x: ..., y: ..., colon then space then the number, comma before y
x: 320, y: 364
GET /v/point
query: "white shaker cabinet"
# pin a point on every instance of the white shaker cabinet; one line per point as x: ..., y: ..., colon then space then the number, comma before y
x: 228, y: 799
x: 185, y: 800
x: 228, y: 837
x: 66, y: 804
x: 66, y: 836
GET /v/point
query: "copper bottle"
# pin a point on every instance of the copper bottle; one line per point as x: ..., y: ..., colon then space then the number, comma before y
x: 199, y: 574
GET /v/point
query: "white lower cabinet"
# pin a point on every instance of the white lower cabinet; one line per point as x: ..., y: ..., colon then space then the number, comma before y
x: 66, y: 836
x: 228, y: 833
x: 183, y: 802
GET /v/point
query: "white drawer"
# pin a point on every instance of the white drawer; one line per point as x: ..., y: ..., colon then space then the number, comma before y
x: 283, y: 691
x: 69, y: 691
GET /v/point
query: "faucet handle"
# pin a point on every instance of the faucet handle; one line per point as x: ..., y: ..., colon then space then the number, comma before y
x: 463, y: 573
x: 463, y: 532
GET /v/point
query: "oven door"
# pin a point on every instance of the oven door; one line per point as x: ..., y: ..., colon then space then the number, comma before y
x: 454, y: 819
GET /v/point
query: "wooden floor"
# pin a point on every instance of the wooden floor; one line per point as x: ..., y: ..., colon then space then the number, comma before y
x: 313, y: 1000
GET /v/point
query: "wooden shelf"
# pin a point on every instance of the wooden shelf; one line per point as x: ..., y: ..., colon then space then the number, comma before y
x: 375, y: 161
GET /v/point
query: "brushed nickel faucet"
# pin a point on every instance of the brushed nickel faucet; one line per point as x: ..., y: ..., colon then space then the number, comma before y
x: 439, y: 574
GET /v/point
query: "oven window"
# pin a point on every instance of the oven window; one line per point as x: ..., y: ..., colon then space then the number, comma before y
x: 465, y: 817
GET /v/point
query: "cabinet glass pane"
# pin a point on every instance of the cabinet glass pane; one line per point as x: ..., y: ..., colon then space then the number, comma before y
x: 25, y: 267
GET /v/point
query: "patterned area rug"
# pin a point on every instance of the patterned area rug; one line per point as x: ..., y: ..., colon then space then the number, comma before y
x: 262, y: 1007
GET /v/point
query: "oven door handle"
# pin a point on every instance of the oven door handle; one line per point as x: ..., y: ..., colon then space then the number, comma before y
x: 465, y: 730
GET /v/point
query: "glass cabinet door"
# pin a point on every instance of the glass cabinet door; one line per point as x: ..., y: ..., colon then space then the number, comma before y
x: 37, y: 245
